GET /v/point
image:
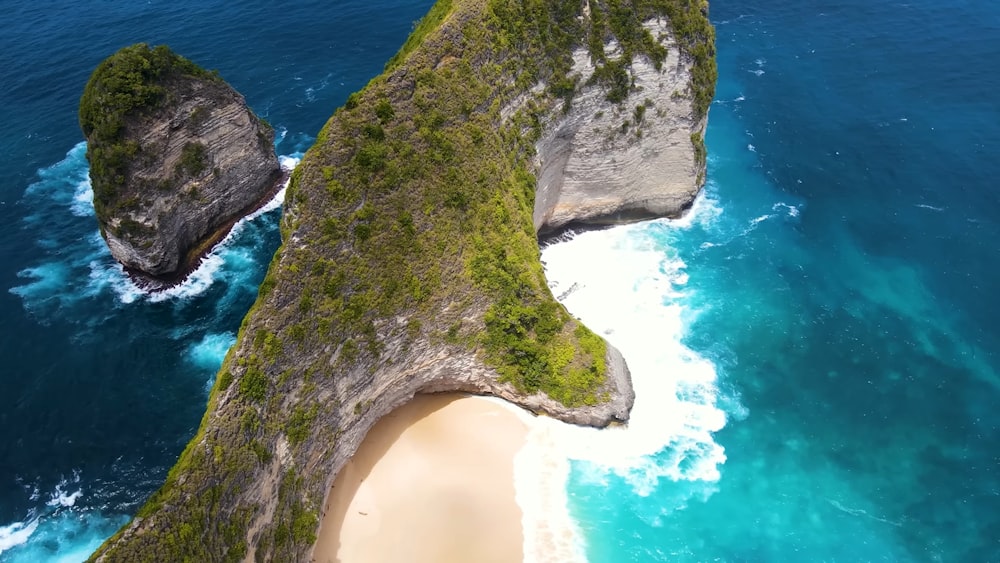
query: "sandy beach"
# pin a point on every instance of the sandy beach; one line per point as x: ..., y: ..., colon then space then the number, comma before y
x: 432, y: 482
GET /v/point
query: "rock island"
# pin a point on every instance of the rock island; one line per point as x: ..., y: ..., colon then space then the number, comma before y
x: 176, y: 158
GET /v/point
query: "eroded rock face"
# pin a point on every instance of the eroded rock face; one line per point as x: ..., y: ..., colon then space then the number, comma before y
x: 197, y: 160
x: 449, y: 369
x: 606, y: 163
x: 390, y: 284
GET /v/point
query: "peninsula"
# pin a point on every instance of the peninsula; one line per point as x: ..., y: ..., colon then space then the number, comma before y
x: 410, y: 258
x: 176, y: 158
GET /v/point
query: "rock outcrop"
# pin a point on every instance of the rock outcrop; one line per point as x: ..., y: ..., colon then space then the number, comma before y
x: 410, y: 259
x: 176, y: 158
x: 607, y: 162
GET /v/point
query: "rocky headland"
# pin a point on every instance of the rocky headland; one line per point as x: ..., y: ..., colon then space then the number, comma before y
x: 176, y: 158
x: 410, y: 259
x: 637, y: 156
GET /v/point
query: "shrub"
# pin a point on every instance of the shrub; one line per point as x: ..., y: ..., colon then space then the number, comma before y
x: 193, y: 160
x: 384, y: 111
x: 253, y: 384
x: 128, y: 83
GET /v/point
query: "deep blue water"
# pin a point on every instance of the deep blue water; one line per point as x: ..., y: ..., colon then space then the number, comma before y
x: 835, y: 292
x: 101, y: 387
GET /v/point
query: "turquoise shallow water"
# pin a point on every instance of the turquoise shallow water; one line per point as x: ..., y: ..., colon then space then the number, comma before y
x: 819, y: 337
x: 843, y: 284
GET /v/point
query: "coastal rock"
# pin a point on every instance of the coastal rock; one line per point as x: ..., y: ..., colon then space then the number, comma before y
x: 176, y: 155
x: 607, y: 162
x: 365, y: 395
x: 410, y: 260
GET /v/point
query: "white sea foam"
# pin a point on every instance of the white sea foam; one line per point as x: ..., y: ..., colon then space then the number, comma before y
x: 197, y: 281
x: 861, y: 512
x: 781, y: 209
x: 83, y: 199
x: 59, y: 530
x: 206, y: 273
x: 106, y: 273
x: 209, y: 353
x: 639, y: 306
x: 791, y: 210
x: 311, y: 90
x: 739, y: 98
x: 65, y: 535
x: 290, y: 161
x: 211, y: 350
x: 64, y: 499
x: 16, y: 534
x: 60, y: 497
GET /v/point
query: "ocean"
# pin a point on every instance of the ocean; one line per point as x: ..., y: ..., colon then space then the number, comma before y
x: 814, y: 346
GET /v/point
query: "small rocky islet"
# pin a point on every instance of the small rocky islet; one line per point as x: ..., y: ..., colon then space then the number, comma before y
x: 176, y: 158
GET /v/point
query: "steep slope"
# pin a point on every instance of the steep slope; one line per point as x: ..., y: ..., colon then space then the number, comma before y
x: 637, y: 155
x: 176, y: 157
x: 410, y: 264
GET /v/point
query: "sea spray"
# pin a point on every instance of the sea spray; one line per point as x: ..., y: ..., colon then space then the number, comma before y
x: 207, y: 271
x: 629, y: 285
x: 75, y: 279
x: 54, y: 282
x: 209, y: 353
x: 90, y: 382
x: 58, y: 526
x: 16, y: 534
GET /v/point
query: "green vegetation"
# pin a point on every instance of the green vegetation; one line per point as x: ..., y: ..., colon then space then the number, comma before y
x: 126, y: 84
x: 407, y: 226
x: 193, y: 160
x: 198, y: 117
x: 622, y: 20
x: 700, y: 152
x: 431, y: 21
x: 694, y: 32
x: 639, y: 114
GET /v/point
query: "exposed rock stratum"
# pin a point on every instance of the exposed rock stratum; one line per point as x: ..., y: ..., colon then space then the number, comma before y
x: 176, y: 157
x: 410, y: 260
x: 605, y: 163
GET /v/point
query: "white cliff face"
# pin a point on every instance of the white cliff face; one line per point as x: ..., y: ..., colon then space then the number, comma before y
x: 604, y: 163
x: 204, y: 161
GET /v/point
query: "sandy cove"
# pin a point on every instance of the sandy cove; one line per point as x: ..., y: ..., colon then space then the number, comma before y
x: 432, y: 482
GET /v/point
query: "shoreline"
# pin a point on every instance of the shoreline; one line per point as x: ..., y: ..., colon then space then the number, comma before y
x: 199, y: 251
x: 433, y: 481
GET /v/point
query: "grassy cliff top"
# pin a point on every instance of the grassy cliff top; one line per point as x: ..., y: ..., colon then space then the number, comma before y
x: 131, y: 82
x: 416, y: 198
x: 407, y: 228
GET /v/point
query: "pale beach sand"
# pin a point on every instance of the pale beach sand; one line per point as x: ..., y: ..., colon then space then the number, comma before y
x: 432, y: 482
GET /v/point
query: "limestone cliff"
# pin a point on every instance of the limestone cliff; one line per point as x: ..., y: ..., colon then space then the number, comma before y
x: 410, y: 264
x: 611, y: 161
x: 176, y: 157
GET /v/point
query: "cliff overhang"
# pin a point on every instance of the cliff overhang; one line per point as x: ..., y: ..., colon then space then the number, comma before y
x: 410, y: 259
